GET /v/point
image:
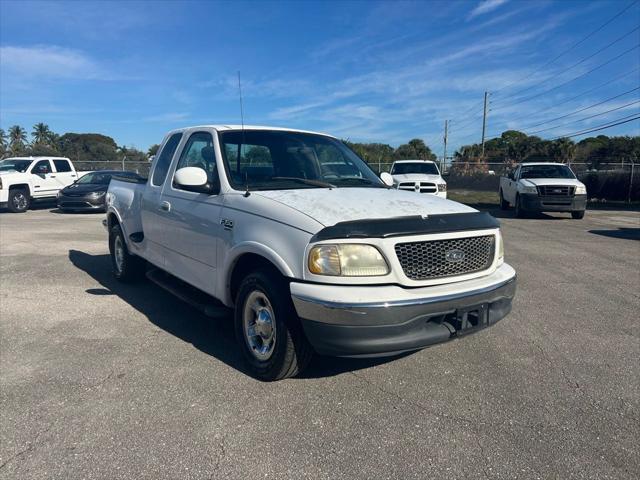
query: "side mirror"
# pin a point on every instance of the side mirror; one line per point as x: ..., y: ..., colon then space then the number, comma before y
x: 387, y: 179
x: 192, y: 179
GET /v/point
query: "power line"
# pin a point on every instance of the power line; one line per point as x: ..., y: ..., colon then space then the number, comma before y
x: 555, y: 105
x: 584, y: 118
x: 526, y: 99
x: 571, y: 47
x: 556, y: 74
x: 614, y: 123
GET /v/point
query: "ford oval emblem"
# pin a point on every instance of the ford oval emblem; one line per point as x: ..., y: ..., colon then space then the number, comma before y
x: 454, y: 256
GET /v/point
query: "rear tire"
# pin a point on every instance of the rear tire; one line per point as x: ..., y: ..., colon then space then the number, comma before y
x: 125, y: 267
x: 268, y: 329
x: 504, y: 205
x: 19, y: 200
x: 577, y: 215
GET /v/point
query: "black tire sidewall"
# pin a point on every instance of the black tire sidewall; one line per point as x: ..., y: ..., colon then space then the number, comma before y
x: 10, y: 200
x: 132, y: 266
x: 287, y: 324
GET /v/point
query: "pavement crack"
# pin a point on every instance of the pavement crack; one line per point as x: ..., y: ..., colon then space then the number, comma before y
x: 31, y: 445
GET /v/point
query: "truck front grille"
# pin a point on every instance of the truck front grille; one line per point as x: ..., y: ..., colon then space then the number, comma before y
x: 446, y: 258
x: 556, y: 190
x: 422, y: 187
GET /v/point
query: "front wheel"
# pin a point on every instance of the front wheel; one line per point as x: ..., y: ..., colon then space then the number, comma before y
x: 19, y: 200
x: 519, y: 211
x: 125, y: 267
x: 267, y: 328
x: 577, y: 215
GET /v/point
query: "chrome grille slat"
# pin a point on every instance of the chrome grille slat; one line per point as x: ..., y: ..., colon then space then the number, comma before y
x: 427, y: 260
x: 556, y: 190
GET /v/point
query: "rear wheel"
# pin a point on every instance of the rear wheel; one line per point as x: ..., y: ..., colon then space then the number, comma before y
x: 503, y: 203
x: 125, y: 267
x: 19, y: 200
x: 267, y: 328
x: 577, y: 215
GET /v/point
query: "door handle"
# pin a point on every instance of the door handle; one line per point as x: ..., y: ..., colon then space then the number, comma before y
x: 53, y: 176
x: 165, y: 206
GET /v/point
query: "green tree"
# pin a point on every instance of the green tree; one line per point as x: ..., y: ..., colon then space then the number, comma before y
x: 416, y: 149
x: 41, y: 134
x: 153, y: 150
x: 17, y: 138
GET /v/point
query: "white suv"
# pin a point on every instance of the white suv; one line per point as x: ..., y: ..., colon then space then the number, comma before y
x: 420, y: 176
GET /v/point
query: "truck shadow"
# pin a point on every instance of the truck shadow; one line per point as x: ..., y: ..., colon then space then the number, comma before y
x: 622, y: 232
x: 214, y: 337
x: 496, y: 212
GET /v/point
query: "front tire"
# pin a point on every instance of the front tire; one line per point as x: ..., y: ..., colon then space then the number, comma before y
x: 577, y: 215
x: 125, y: 267
x: 19, y: 200
x: 519, y: 211
x: 267, y: 328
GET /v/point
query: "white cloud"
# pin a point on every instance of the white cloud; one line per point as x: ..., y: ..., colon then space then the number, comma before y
x: 48, y: 62
x: 485, y: 6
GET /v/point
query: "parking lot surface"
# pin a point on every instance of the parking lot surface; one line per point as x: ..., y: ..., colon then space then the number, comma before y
x: 104, y: 380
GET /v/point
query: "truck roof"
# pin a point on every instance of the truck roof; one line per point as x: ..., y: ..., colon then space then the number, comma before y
x: 527, y: 164
x: 222, y: 128
x: 414, y: 161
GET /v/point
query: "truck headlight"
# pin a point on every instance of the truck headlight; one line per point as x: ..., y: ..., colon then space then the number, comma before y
x: 581, y: 190
x: 442, y: 187
x: 499, y: 249
x: 347, y: 260
x: 528, y: 189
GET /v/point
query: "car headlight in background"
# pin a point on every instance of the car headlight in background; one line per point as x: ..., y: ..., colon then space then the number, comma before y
x: 499, y: 248
x: 347, y: 260
x: 581, y: 190
x: 442, y: 187
x: 97, y: 194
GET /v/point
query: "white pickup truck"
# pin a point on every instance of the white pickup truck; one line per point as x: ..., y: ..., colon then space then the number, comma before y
x: 420, y: 176
x: 543, y: 187
x: 25, y: 179
x: 260, y: 220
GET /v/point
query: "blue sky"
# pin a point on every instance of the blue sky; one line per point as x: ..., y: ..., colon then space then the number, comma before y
x: 367, y: 71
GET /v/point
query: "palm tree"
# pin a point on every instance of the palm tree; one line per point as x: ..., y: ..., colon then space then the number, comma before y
x: 17, y: 137
x: 41, y: 133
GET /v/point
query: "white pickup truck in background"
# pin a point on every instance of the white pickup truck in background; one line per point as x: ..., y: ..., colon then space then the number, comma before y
x: 543, y: 187
x: 420, y: 176
x: 25, y: 179
x: 312, y: 251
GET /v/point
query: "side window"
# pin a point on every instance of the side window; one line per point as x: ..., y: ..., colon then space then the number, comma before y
x: 164, y: 159
x: 199, y: 152
x: 62, y: 166
x: 42, y: 167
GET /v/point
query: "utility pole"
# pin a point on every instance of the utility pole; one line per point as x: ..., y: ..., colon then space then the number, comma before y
x: 484, y: 120
x: 444, y: 154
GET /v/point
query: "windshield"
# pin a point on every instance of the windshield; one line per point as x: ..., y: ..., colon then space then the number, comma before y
x: 103, y: 178
x: 13, y: 164
x: 276, y: 160
x: 546, y: 171
x: 415, y: 167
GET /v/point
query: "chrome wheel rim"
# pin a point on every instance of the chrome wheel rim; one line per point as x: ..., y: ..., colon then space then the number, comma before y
x: 118, y: 253
x: 19, y: 201
x: 259, y: 324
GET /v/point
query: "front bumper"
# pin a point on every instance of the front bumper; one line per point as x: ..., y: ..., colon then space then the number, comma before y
x: 535, y: 203
x: 343, y: 321
x: 81, y: 203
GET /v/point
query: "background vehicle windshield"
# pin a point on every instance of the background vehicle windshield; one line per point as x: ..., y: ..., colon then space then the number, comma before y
x: 274, y: 160
x: 17, y: 165
x: 103, y: 178
x: 415, y: 167
x: 546, y: 171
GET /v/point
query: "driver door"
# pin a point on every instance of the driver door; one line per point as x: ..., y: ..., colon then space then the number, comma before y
x: 44, y: 180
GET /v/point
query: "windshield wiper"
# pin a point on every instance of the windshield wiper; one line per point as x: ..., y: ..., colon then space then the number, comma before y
x: 361, y: 180
x: 306, y: 181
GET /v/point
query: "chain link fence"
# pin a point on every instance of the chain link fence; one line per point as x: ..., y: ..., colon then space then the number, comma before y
x: 141, y: 168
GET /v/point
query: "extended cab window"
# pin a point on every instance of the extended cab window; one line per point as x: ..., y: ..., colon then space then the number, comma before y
x: 199, y: 152
x: 62, y: 166
x: 164, y: 159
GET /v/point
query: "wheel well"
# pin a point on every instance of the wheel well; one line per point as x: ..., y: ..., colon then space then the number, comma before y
x: 248, y: 262
x: 112, y: 220
x: 20, y: 186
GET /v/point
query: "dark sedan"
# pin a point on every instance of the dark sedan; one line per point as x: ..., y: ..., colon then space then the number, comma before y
x: 89, y: 191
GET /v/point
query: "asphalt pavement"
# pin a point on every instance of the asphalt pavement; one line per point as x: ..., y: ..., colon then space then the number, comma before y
x: 100, y: 380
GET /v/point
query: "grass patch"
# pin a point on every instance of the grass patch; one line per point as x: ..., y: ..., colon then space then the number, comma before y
x: 474, y: 197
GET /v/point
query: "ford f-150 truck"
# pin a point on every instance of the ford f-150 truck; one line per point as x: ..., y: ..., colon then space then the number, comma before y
x: 25, y: 179
x: 420, y: 176
x: 309, y: 256
x: 543, y: 187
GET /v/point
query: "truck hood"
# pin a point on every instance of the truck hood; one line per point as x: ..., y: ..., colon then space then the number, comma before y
x: 539, y: 182
x: 417, y: 177
x: 9, y: 174
x: 331, y: 206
